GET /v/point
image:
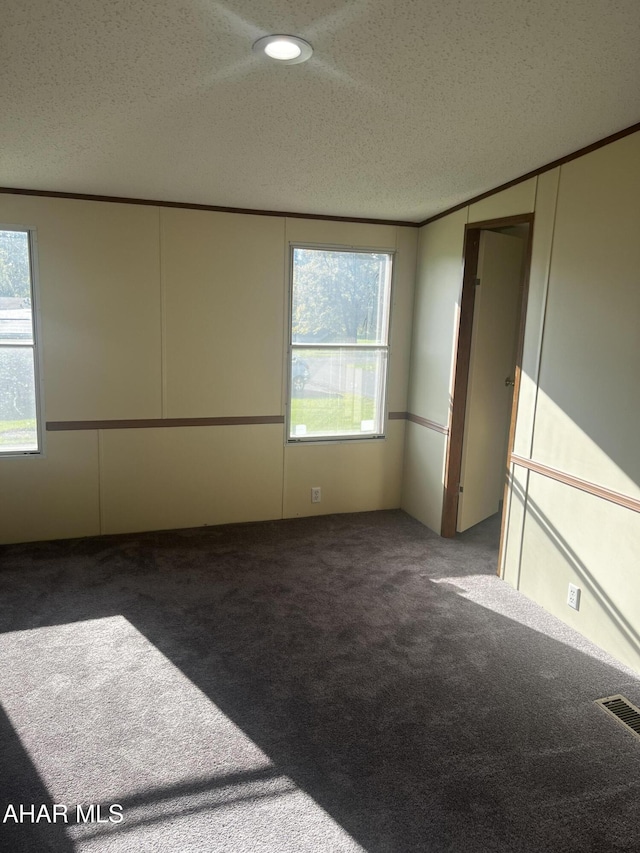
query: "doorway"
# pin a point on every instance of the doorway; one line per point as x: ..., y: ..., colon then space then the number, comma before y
x: 487, y: 370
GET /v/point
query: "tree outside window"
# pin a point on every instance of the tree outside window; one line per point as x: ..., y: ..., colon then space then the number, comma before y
x: 339, y: 343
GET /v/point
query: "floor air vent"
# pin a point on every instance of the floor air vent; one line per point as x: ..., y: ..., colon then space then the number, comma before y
x: 623, y: 711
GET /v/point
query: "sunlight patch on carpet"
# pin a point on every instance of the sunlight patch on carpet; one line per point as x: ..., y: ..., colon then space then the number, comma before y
x: 106, y: 718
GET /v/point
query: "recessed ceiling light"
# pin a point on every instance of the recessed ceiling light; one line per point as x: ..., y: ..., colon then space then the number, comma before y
x: 289, y: 50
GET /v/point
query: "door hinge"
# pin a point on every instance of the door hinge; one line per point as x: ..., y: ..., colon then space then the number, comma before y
x: 477, y: 282
x: 460, y: 488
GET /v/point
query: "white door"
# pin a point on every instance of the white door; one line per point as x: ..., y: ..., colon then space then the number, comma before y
x: 489, y: 396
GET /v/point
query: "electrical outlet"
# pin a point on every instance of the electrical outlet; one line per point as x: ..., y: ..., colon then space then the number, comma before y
x: 316, y: 494
x: 573, y: 596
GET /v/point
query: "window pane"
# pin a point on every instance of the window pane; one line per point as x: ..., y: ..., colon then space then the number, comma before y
x: 340, y: 297
x: 336, y: 392
x: 16, y: 323
x: 18, y: 431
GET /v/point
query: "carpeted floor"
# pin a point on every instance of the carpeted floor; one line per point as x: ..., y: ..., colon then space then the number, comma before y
x: 342, y: 683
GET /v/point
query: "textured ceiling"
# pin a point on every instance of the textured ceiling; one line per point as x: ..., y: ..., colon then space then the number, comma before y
x: 405, y: 109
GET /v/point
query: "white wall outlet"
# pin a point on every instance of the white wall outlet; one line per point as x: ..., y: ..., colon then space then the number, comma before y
x: 573, y: 596
x: 316, y: 494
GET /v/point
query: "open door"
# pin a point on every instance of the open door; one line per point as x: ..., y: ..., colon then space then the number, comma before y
x: 491, y: 376
x: 497, y: 258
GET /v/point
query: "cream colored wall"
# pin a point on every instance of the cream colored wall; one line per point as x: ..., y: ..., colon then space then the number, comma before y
x: 583, y: 417
x: 223, y: 312
x: 53, y: 497
x: 155, y: 479
x: 520, y: 198
x: 423, y: 474
x: 578, y: 408
x: 100, y: 305
x: 543, y: 227
x: 435, y: 319
x: 570, y: 536
x: 353, y: 476
x: 435, y: 316
x: 156, y: 312
x: 587, y: 413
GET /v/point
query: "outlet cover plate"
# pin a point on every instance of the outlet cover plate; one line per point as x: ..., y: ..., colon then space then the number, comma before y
x: 573, y: 596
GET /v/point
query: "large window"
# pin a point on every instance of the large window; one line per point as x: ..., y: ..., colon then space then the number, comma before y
x: 339, y: 343
x: 19, y: 428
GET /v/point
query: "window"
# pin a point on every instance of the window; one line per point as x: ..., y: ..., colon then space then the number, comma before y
x: 19, y: 401
x: 339, y: 343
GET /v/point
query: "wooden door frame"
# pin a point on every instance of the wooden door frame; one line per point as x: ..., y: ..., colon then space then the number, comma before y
x: 453, y: 464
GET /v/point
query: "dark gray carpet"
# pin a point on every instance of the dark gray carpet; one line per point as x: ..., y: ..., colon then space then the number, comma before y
x: 343, y: 683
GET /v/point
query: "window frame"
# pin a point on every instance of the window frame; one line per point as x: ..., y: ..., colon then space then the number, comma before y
x: 36, y: 346
x: 291, y: 347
